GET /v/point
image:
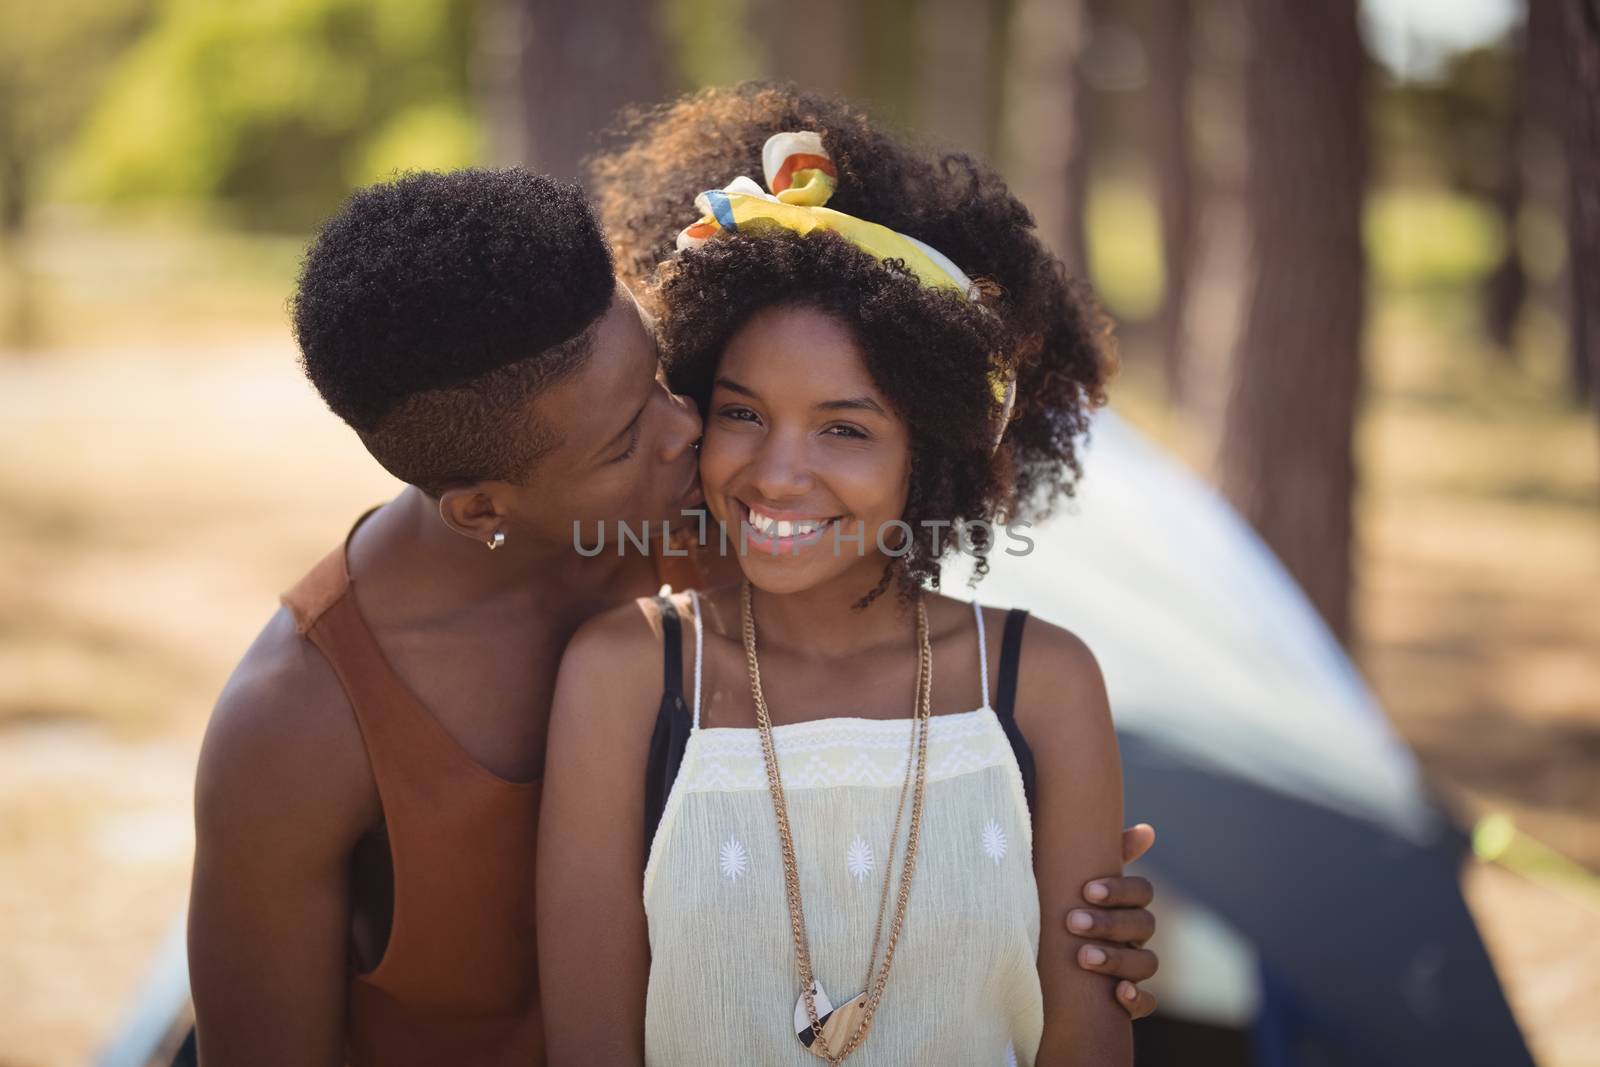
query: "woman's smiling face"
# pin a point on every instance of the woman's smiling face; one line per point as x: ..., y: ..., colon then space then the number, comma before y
x: 802, y: 454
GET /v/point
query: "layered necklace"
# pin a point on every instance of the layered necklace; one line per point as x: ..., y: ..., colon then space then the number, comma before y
x: 840, y: 1031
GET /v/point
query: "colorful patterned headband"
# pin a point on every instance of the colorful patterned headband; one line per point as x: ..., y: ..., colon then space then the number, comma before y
x: 802, y: 178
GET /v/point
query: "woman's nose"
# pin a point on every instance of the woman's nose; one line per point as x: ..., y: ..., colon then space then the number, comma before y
x: 779, y: 469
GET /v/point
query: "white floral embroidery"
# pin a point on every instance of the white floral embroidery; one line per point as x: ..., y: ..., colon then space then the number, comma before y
x: 858, y: 860
x: 735, y: 861
x: 994, y: 842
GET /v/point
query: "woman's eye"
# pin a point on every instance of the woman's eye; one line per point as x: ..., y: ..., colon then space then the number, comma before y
x: 739, y: 414
x: 846, y: 432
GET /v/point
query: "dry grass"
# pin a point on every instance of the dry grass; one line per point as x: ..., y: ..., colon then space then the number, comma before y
x: 164, y: 473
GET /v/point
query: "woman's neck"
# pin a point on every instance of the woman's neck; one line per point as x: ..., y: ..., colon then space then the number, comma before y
x: 823, y: 622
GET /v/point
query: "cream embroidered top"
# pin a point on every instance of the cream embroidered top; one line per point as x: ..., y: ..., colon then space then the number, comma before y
x: 964, y: 988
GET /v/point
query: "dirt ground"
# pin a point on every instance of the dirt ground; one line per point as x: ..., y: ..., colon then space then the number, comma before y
x: 163, y: 477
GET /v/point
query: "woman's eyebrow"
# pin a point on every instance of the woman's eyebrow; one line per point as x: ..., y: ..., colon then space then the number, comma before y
x: 734, y: 387
x: 854, y: 403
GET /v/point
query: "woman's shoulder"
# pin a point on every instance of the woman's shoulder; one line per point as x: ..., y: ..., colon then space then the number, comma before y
x: 1061, y: 692
x: 628, y: 629
x: 618, y: 653
x: 1050, y: 655
x: 1055, y: 654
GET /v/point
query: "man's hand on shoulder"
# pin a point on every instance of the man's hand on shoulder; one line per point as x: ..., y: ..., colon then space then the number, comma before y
x: 1118, y: 918
x: 282, y: 794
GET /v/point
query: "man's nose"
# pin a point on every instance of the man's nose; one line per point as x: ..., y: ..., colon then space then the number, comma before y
x: 685, y: 429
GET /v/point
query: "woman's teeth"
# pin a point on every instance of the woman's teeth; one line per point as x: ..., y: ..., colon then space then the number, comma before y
x: 768, y: 526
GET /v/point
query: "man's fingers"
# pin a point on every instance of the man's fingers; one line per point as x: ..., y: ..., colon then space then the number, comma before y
x: 1136, y: 841
x: 1128, y: 926
x: 1128, y: 891
x: 1133, y: 964
x: 1135, y: 1001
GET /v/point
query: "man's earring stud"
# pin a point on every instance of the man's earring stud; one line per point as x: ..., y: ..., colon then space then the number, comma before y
x: 497, y: 540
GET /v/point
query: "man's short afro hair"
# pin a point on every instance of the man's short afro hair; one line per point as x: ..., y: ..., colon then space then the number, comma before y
x: 430, y: 307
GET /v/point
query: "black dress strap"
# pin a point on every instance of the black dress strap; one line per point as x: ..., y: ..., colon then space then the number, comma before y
x: 1006, y: 698
x: 671, y: 646
x: 672, y: 729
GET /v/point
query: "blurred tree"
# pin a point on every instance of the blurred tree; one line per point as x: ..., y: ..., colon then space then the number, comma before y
x: 1217, y: 297
x: 51, y: 58
x: 820, y: 45
x: 579, y: 64
x: 1286, y: 458
x: 1583, y: 185
x: 276, y: 108
x: 1506, y: 288
x: 958, y: 78
x: 1169, y: 31
x: 1045, y: 121
x: 1532, y: 120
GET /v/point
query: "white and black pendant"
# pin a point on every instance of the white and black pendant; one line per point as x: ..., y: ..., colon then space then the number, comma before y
x: 838, y: 1024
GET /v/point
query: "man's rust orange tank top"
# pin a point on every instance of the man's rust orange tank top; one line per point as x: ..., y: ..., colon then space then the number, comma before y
x: 458, y: 982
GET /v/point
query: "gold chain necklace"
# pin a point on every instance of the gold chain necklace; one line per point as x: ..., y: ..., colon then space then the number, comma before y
x: 851, y: 1022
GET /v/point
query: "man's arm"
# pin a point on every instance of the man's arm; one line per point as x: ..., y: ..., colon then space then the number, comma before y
x: 282, y: 795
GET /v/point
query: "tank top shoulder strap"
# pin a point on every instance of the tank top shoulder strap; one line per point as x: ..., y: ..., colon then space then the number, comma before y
x: 398, y: 731
x: 983, y: 653
x: 323, y: 586
x: 1005, y: 704
x: 674, y: 723
x: 671, y: 647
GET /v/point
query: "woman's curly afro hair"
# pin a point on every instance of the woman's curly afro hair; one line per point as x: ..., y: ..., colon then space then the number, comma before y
x: 1044, y: 324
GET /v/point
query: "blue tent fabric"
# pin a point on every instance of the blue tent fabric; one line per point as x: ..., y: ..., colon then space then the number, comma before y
x: 1366, y: 931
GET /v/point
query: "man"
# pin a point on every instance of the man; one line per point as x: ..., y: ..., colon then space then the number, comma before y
x: 367, y: 796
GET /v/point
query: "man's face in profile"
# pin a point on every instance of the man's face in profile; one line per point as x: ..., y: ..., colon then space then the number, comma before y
x: 624, y: 451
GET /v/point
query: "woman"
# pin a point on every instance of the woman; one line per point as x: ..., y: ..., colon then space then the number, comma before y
x: 842, y: 879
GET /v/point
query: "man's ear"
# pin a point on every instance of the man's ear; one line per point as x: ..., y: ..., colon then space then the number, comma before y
x: 472, y: 511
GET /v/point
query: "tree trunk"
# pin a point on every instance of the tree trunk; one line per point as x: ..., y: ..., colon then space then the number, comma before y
x: 1506, y: 288
x: 499, y: 42
x: 1214, y: 314
x: 1169, y: 31
x: 1286, y: 459
x: 578, y: 64
x: 818, y: 46
x: 956, y: 80
x: 1044, y: 128
x: 1583, y: 191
